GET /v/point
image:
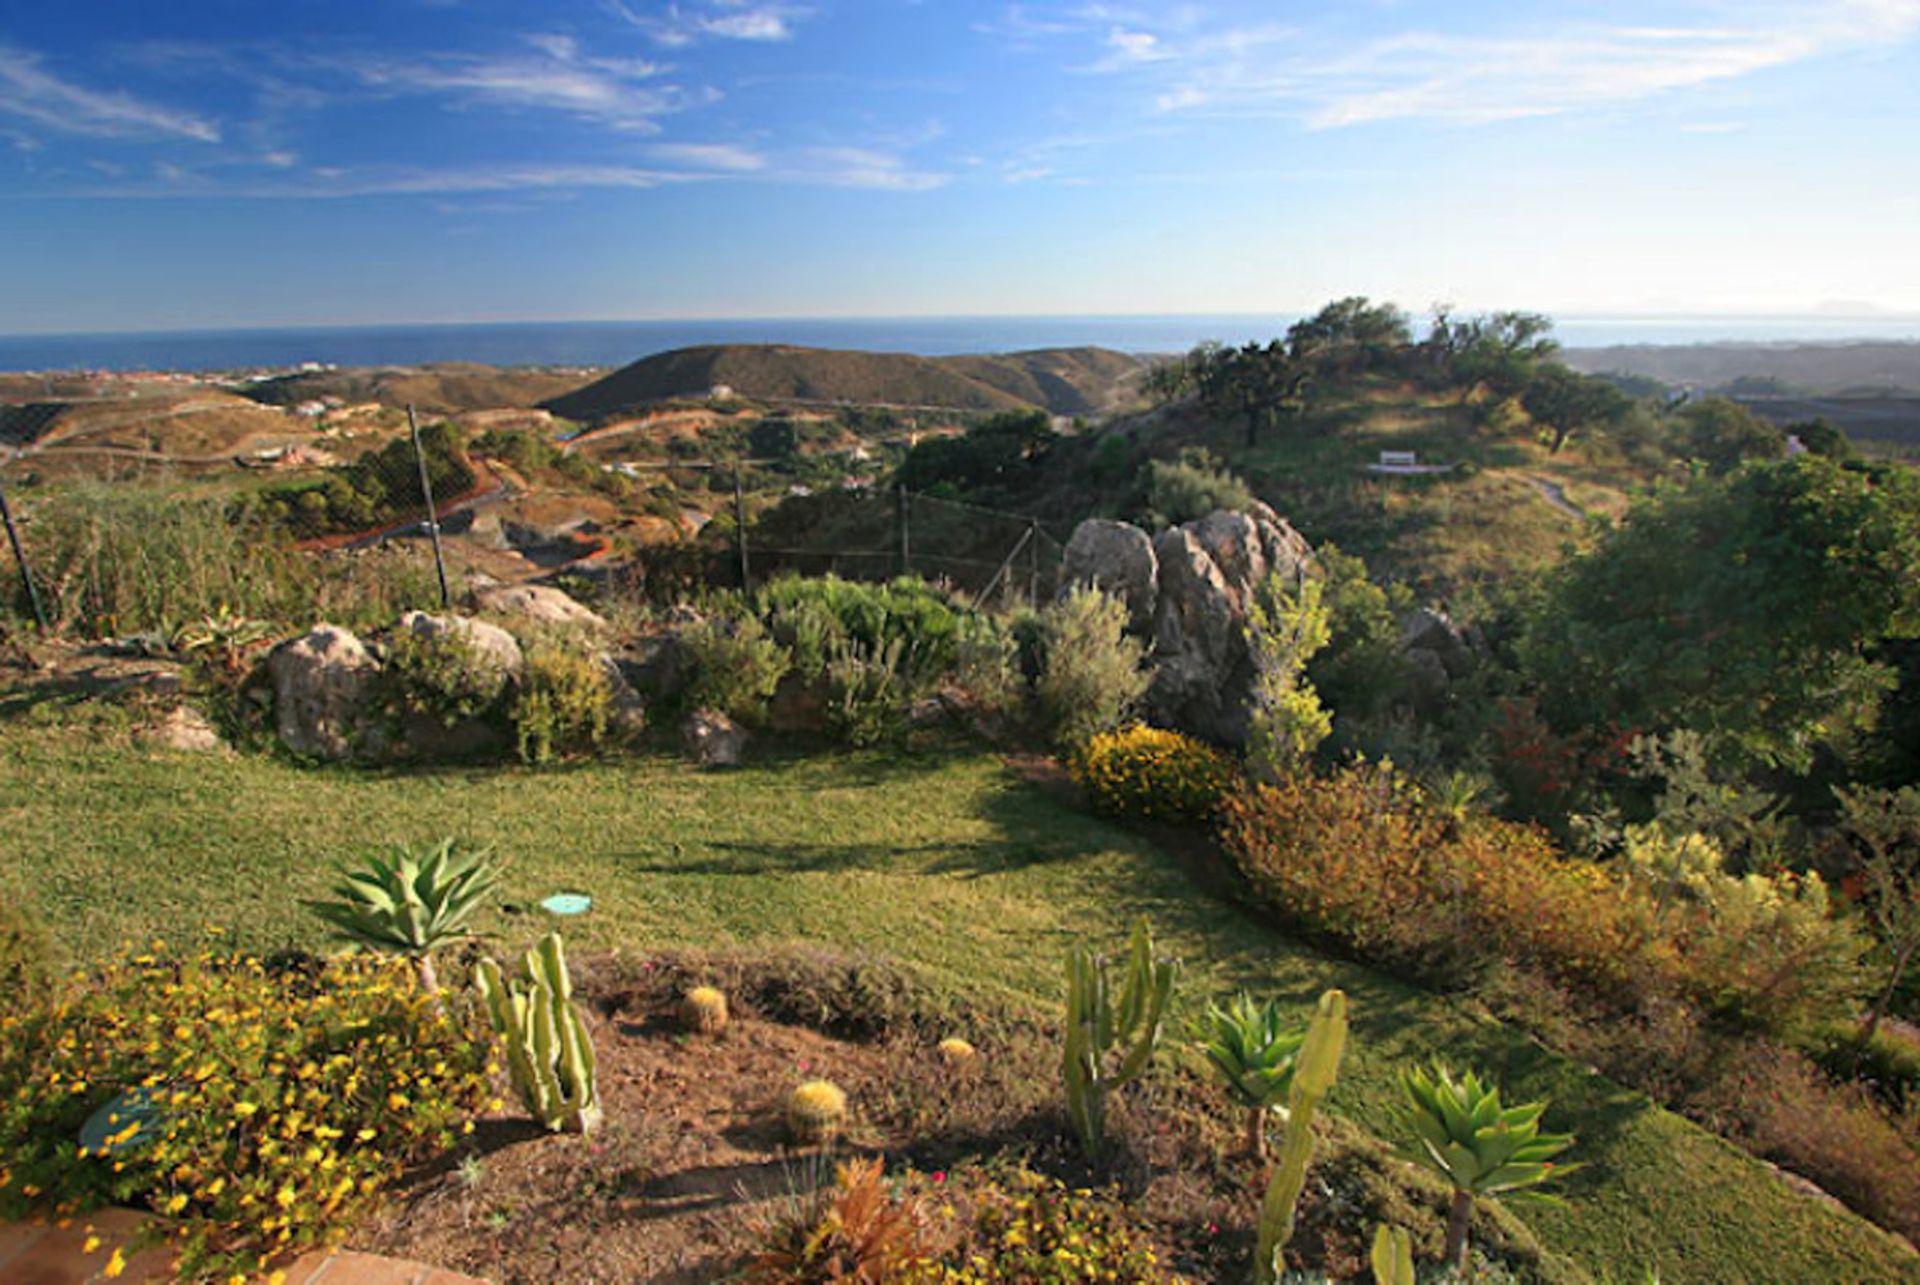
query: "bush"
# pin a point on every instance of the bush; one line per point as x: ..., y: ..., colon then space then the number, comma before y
x: 1191, y: 487
x: 733, y: 667
x: 812, y: 617
x: 283, y: 1099
x: 562, y: 703
x: 1154, y: 775
x: 858, y: 1230
x: 1357, y: 856
x: 1090, y: 675
x: 28, y: 965
x: 1027, y: 1229
x: 444, y: 675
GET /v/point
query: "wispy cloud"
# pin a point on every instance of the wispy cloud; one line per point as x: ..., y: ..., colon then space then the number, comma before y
x: 31, y: 92
x: 680, y: 25
x: 728, y: 158
x: 555, y: 75
x: 1185, y: 64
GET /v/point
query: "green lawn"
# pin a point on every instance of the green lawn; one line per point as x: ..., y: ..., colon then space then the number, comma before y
x: 946, y: 861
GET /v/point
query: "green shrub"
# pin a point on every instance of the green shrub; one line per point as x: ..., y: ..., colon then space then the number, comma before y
x: 1153, y: 774
x: 28, y: 962
x: 377, y: 489
x: 811, y: 616
x: 281, y: 1100
x: 1190, y: 487
x: 444, y: 675
x: 563, y: 701
x: 1090, y: 672
x: 733, y: 667
x: 867, y: 691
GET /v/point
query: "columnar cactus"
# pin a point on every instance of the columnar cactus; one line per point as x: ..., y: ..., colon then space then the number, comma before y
x: 1392, y: 1257
x: 1314, y: 1070
x: 704, y: 1010
x: 815, y: 1112
x: 549, y: 1053
x: 1112, y: 1030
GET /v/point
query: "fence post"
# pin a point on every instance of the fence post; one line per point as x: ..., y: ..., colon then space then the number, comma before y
x: 1033, y: 565
x: 433, y: 518
x: 900, y: 517
x: 20, y: 557
x: 740, y: 531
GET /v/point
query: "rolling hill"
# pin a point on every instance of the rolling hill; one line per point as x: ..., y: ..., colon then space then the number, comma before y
x: 1066, y: 381
x: 447, y: 388
x: 1819, y: 369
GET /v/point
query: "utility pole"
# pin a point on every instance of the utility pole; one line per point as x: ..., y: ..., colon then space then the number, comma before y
x: 433, y: 519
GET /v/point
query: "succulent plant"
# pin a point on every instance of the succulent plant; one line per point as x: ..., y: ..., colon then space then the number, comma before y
x: 1463, y: 1134
x: 1254, y: 1050
x: 815, y: 1112
x: 956, y: 1052
x: 704, y: 1010
x: 1314, y: 1071
x: 1392, y: 1257
x: 549, y: 1053
x: 413, y: 904
x: 1113, y: 1026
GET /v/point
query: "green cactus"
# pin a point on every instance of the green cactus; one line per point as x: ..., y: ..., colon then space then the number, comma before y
x: 1466, y: 1137
x: 1314, y: 1070
x: 549, y: 1053
x: 1254, y: 1052
x: 1112, y: 1030
x: 1392, y: 1256
x: 815, y: 1112
x: 704, y: 1010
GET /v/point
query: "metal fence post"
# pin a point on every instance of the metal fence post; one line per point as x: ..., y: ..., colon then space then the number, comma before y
x: 20, y: 557
x: 433, y: 519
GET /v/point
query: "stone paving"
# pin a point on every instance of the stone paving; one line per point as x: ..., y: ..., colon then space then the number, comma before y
x: 80, y: 1251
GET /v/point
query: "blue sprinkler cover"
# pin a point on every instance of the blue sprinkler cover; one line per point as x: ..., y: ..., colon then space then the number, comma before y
x: 128, y: 1122
x: 567, y: 903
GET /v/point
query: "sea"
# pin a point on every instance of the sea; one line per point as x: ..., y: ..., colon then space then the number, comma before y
x: 614, y: 343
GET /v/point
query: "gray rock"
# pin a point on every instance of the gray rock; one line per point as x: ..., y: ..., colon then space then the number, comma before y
x: 322, y: 688
x: 627, y: 709
x: 492, y: 645
x: 1432, y: 631
x: 1202, y: 670
x: 712, y: 739
x: 182, y: 728
x: 541, y: 604
x: 1118, y: 558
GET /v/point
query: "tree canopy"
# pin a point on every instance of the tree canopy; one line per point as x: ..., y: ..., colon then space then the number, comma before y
x: 1747, y: 607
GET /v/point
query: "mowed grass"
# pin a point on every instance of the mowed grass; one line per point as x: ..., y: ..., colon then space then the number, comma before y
x: 946, y: 861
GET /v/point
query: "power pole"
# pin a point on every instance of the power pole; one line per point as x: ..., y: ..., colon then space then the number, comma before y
x: 433, y: 519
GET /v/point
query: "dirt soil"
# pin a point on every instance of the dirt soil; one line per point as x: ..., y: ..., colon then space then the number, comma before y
x: 692, y: 1157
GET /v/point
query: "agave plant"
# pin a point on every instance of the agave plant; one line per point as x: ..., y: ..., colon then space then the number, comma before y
x: 1481, y: 1148
x: 1254, y: 1052
x: 413, y: 904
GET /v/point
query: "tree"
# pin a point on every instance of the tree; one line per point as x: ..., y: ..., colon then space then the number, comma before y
x: 1748, y: 608
x: 1570, y: 402
x: 1286, y: 626
x: 1349, y: 336
x: 1500, y: 350
x: 990, y: 452
x: 1886, y: 825
x: 1823, y: 437
x: 1724, y: 434
x: 1256, y: 383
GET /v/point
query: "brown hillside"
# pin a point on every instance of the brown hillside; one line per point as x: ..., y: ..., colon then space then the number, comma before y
x: 1061, y: 382
x: 447, y: 388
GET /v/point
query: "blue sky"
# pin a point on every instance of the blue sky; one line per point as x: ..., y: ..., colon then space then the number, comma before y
x: 207, y: 163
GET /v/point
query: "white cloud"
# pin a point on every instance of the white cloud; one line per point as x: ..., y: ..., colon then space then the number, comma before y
x: 555, y: 77
x: 725, y: 157
x: 30, y: 91
x: 680, y: 25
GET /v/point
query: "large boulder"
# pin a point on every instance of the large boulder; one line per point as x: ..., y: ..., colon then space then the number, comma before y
x: 322, y: 693
x: 1203, y: 672
x: 182, y: 728
x: 541, y: 604
x: 1119, y: 559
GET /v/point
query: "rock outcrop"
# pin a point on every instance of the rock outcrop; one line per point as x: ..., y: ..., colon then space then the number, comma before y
x: 322, y: 689
x: 1204, y: 575
x: 541, y: 604
x: 712, y: 739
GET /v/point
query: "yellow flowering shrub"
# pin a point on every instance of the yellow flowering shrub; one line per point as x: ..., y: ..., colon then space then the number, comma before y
x: 1153, y: 774
x: 278, y: 1098
x: 1028, y: 1229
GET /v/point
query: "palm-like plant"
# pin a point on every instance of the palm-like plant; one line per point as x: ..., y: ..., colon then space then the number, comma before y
x: 1254, y: 1052
x: 1481, y: 1148
x: 413, y: 904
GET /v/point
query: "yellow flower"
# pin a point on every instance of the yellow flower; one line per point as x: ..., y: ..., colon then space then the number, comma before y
x: 115, y: 1265
x: 285, y: 1196
x: 176, y: 1203
x: 245, y: 1109
x: 90, y: 1244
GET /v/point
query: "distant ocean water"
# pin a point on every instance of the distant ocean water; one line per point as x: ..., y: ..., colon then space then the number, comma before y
x: 614, y: 343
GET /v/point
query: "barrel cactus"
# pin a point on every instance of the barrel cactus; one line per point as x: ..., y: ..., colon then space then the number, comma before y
x: 815, y: 1112
x: 704, y: 1010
